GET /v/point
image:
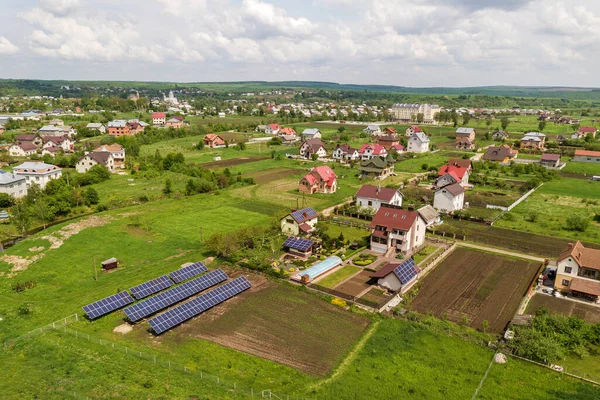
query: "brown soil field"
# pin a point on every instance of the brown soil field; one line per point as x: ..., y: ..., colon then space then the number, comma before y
x: 232, y: 162
x: 281, y: 324
x: 524, y: 242
x: 271, y: 175
x: 356, y: 285
x: 476, y: 285
x: 586, y: 312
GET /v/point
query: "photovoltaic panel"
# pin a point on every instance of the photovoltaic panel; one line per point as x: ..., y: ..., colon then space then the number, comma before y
x: 406, y: 271
x: 151, y: 287
x: 185, y: 311
x: 187, y: 272
x: 304, y: 214
x: 298, y: 243
x: 172, y: 296
x: 108, y: 304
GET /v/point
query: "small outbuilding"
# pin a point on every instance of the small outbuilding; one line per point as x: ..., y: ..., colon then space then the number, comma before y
x: 397, y: 277
x: 111, y: 263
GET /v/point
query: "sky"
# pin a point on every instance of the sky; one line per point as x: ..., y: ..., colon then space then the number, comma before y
x: 416, y: 43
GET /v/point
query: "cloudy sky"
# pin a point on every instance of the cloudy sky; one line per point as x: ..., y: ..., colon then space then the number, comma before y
x: 396, y: 42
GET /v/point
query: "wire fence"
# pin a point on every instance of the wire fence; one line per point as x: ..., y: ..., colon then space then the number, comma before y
x: 61, y: 327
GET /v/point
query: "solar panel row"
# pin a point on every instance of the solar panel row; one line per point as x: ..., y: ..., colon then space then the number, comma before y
x: 187, y: 272
x: 154, y: 286
x: 304, y: 214
x: 183, y: 312
x: 298, y: 243
x: 406, y: 271
x: 172, y: 296
x: 108, y: 304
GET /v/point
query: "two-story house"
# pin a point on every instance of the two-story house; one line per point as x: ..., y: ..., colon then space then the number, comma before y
x: 300, y: 221
x: 312, y: 146
x: 418, y: 143
x: 159, y: 118
x: 345, y: 153
x: 450, y: 173
x: 118, y: 127
x: 104, y: 158
x: 449, y: 198
x: 321, y: 179
x: 116, y: 150
x: 401, y: 230
x: 38, y: 172
x: 374, y: 197
x: 533, y: 140
x: 578, y: 271
x: 370, y: 151
x: 272, y: 129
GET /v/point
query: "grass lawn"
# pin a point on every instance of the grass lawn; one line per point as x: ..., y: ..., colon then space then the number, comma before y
x: 582, y: 168
x: 350, y: 233
x: 332, y: 280
x: 415, y: 164
x: 424, y: 253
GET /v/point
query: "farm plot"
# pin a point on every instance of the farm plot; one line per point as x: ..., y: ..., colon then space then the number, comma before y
x: 477, y: 286
x: 356, y: 285
x: 281, y: 324
x: 232, y: 162
x: 271, y: 175
x: 586, y: 312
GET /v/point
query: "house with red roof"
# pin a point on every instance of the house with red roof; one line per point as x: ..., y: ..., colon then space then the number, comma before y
x: 587, y: 156
x: 370, y: 151
x: 387, y: 141
x: 159, y: 118
x: 390, y: 130
x: 213, y: 141
x: 583, y: 131
x: 450, y: 174
x: 374, y: 197
x: 400, y: 230
x: 578, y: 271
x: 321, y: 179
x: 272, y: 129
x: 398, y: 148
x: 412, y: 129
x: 286, y: 132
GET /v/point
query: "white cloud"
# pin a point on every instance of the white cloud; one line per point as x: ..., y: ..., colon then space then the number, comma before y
x: 6, y: 47
x: 59, y: 6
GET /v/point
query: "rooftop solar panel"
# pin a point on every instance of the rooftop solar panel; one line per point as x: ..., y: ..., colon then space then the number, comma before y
x: 183, y: 312
x: 108, y: 304
x: 151, y: 287
x: 304, y: 214
x: 172, y: 296
x: 298, y: 243
x: 406, y: 271
x: 187, y: 272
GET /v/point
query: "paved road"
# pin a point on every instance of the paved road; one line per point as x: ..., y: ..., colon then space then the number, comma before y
x: 499, y: 251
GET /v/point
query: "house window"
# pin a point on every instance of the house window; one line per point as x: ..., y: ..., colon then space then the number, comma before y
x: 568, y: 270
x: 370, y: 203
x: 565, y: 282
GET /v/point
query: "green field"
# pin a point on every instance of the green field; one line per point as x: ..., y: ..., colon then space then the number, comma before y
x: 332, y: 280
x: 582, y: 168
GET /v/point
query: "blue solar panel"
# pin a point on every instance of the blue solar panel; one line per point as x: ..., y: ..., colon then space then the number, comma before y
x: 298, y: 243
x: 304, y: 214
x: 406, y: 271
x: 151, y: 287
x: 174, y: 295
x: 108, y: 304
x: 187, y: 272
x: 185, y: 311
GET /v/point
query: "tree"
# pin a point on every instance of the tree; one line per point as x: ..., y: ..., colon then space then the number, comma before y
x: 6, y: 200
x: 466, y: 118
x: 341, y: 129
x: 485, y: 325
x: 91, y: 196
x: 420, y: 118
x: 167, y: 190
x: 541, y: 125
x: 20, y: 216
x: 199, y: 145
x: 504, y: 123
x: 42, y: 212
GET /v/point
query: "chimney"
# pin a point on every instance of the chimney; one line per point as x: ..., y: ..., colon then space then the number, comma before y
x: 378, y: 188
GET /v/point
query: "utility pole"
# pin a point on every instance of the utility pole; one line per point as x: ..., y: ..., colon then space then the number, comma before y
x: 95, y: 269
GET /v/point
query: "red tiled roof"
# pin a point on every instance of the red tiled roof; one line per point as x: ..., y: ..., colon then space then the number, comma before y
x: 550, y: 157
x: 287, y: 131
x: 392, y: 218
x: 587, y: 153
x: 27, y: 146
x: 587, y: 129
x: 377, y: 149
x: 325, y: 172
x: 211, y: 137
x: 398, y: 147
x: 373, y: 192
x: 274, y: 126
x: 159, y: 115
x: 584, y: 256
x: 459, y: 172
x: 585, y: 286
x: 311, y: 179
x: 305, y: 227
x: 416, y: 128
x: 386, y: 270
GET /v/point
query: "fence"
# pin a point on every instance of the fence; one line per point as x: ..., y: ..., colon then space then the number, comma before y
x: 427, y: 268
x: 60, y: 327
x: 516, y: 203
x: 348, y: 297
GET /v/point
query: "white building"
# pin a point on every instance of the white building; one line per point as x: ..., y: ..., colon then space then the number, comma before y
x: 418, y: 143
x: 408, y: 112
x: 345, y: 153
x: 372, y: 129
x: 401, y: 230
x: 398, y: 277
x: 38, y: 172
x: 104, y: 158
x: 578, y: 271
x: 301, y: 221
x: 116, y: 150
x: 12, y: 184
x: 22, y: 150
x: 449, y: 198
x: 311, y: 133
x: 374, y: 197
x: 96, y: 126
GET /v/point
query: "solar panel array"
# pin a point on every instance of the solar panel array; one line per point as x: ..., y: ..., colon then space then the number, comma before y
x: 298, y: 244
x: 183, y: 312
x: 299, y: 215
x: 108, y: 304
x: 151, y: 287
x: 185, y: 273
x: 174, y: 295
x: 406, y: 271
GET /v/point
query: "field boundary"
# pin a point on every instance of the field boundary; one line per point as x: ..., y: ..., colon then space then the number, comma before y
x: 516, y: 203
x: 552, y: 369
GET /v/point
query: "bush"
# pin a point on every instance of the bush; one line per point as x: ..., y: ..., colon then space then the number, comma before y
x: 577, y: 222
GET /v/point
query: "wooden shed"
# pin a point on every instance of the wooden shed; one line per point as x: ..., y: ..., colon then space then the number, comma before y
x: 111, y: 263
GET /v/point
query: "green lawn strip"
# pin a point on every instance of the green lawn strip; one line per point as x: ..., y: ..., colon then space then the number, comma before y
x: 425, y: 252
x: 332, y: 280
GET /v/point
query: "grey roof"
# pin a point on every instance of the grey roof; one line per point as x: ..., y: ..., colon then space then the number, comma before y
x: 465, y: 130
x: 7, y: 178
x: 428, y: 213
x: 94, y: 125
x: 310, y: 131
x: 117, y: 123
x: 455, y: 189
x: 534, y: 134
x: 49, y: 128
x: 422, y: 137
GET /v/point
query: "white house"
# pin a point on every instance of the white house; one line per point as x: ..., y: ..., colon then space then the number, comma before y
x: 452, y: 173
x: 413, y: 129
x: 373, y: 197
x: 449, y: 198
x: 53, y: 130
x: 301, y: 221
x: 578, y: 271
x: 272, y: 129
x: 96, y: 126
x: 370, y: 151
x: 398, y: 277
x: 22, y: 150
x: 159, y: 118
x: 12, y: 184
x: 311, y: 133
x: 372, y: 129
x: 63, y: 142
x: 401, y: 230
x: 345, y: 153
x: 116, y: 150
x: 418, y: 143
x: 38, y: 172
x: 104, y: 158
x: 313, y: 146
